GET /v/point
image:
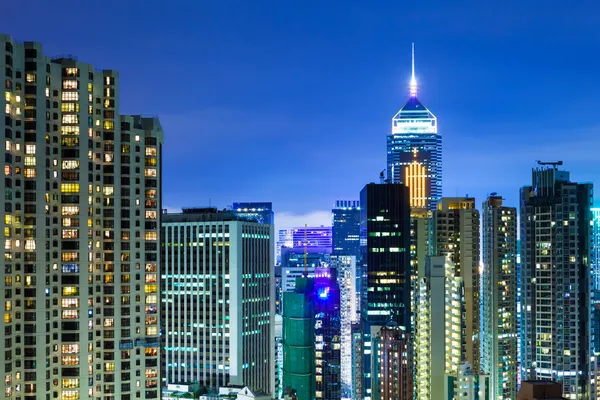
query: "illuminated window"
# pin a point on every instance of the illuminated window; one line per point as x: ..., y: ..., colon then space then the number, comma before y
x: 70, y: 84
x: 151, y: 330
x: 70, y: 96
x: 7, y: 170
x: 29, y: 172
x: 69, y: 107
x: 70, y: 360
x: 7, y: 145
x: 69, y: 303
x: 90, y: 89
x: 150, y: 161
x: 151, y: 373
x: 70, y: 222
x: 8, y: 305
x: 72, y: 71
x: 70, y: 348
x: 30, y: 78
x: 150, y: 278
x: 70, y: 210
x: 109, y: 367
x: 151, y: 320
x: 109, y: 322
x: 151, y: 299
x: 70, y: 256
x: 69, y: 130
x: 150, y: 214
x: 150, y: 151
x: 29, y: 244
x: 70, y: 164
x: 7, y: 244
x: 150, y: 267
x: 151, y: 193
x: 109, y: 278
x: 7, y: 96
x: 150, y: 172
x: 69, y: 187
x: 70, y: 119
x: 70, y: 291
x: 7, y: 318
x: 30, y: 149
x: 70, y: 383
x: 7, y: 109
x: 151, y: 236
x: 108, y: 125
x: 150, y: 289
x: 108, y: 190
x: 29, y: 161
x: 70, y: 234
x: 70, y: 314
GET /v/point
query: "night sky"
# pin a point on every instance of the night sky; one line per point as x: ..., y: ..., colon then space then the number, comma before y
x: 291, y: 101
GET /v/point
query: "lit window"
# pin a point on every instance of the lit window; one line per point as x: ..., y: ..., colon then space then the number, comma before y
x: 70, y: 234
x: 150, y: 151
x: 30, y: 78
x: 70, y: 291
x: 70, y: 314
x: 150, y: 214
x: 29, y: 161
x: 69, y: 187
x: 7, y: 109
x: 109, y: 322
x: 108, y: 190
x: 70, y: 164
x: 70, y: 348
x: 69, y: 107
x: 137, y: 138
x: 8, y: 305
x: 69, y: 303
x: 70, y: 96
x: 70, y: 383
x: 151, y: 236
x: 70, y: 256
x: 108, y: 125
x: 109, y: 367
x: 7, y: 145
x: 29, y: 244
x: 151, y: 299
x: 70, y: 119
x: 150, y: 289
x: 70, y: 210
x: 7, y: 244
x: 69, y: 130
x: 150, y: 267
x: 7, y: 170
x: 29, y: 173
x: 151, y: 330
x: 151, y: 193
x: 70, y: 360
x: 7, y: 96
x: 150, y: 172
x: 30, y: 149
x: 150, y: 278
x: 72, y: 71
x: 7, y: 219
x: 7, y: 318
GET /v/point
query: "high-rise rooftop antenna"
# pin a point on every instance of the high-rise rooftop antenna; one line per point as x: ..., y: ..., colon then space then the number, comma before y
x: 305, y: 252
x: 413, y: 80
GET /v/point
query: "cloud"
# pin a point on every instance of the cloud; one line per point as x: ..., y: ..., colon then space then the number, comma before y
x: 286, y: 219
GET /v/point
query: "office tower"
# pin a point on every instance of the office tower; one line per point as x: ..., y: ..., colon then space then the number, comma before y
x: 284, y: 239
x: 357, y: 361
x: 312, y: 237
x: 278, y: 356
x: 595, y: 259
x: 414, y: 151
x: 346, y: 272
x: 540, y: 389
x: 438, y: 331
x: 292, y: 264
x: 393, y: 367
x: 217, y: 314
x: 469, y: 386
x: 299, y: 339
x: 260, y: 212
x: 385, y: 241
x: 555, y: 223
x: 499, y: 297
x: 346, y: 228
x: 82, y: 190
x: 519, y: 308
x: 327, y: 335
x: 595, y: 305
x: 420, y: 248
x: 456, y: 235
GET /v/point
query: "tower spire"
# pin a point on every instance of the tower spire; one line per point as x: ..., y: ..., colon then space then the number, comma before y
x: 413, y: 80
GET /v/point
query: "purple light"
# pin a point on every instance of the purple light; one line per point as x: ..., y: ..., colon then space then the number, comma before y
x: 323, y: 292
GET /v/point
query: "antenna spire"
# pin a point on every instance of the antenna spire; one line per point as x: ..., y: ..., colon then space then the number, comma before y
x: 413, y: 80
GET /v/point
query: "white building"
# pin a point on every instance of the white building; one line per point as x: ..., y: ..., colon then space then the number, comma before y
x: 82, y: 190
x: 218, y: 316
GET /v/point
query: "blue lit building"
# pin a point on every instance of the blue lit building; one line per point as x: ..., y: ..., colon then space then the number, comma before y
x: 346, y: 228
x: 414, y: 151
x: 260, y: 212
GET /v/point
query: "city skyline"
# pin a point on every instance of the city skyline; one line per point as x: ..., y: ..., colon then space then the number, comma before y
x: 514, y: 76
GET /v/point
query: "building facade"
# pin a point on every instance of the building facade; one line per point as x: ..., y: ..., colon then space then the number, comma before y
x: 467, y: 385
x: 499, y: 330
x: 82, y: 187
x: 218, y: 311
x: 555, y: 223
x: 385, y: 259
x: 439, y: 337
x: 414, y: 151
x: 456, y: 235
x: 345, y: 230
x: 393, y: 364
x: 261, y: 212
x: 292, y: 264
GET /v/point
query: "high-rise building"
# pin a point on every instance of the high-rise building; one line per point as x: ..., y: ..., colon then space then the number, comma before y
x: 292, y: 264
x: 595, y: 320
x: 82, y: 192
x: 385, y: 269
x: 299, y: 369
x: 469, y: 386
x: 345, y: 230
x: 393, y: 366
x: 310, y: 237
x: 499, y: 297
x: 456, y: 235
x: 540, y: 390
x: 218, y: 312
x: 555, y: 223
x: 261, y: 212
x: 414, y: 151
x: 327, y: 335
x: 438, y: 331
x: 346, y: 273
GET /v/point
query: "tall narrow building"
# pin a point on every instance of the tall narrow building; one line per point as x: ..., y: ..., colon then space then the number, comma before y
x: 345, y: 229
x: 499, y: 297
x: 82, y: 193
x: 216, y: 289
x: 555, y: 223
x: 385, y: 269
x: 414, y: 151
x: 456, y: 235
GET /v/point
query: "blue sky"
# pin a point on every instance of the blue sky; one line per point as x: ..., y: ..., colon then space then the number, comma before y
x: 290, y: 101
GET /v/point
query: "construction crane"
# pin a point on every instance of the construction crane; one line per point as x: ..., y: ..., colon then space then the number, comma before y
x: 555, y: 164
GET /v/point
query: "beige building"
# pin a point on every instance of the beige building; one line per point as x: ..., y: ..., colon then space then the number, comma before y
x: 456, y: 236
x: 82, y: 190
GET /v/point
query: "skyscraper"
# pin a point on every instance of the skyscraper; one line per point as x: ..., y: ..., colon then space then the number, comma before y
x: 393, y: 367
x: 82, y: 192
x: 555, y: 223
x: 385, y: 270
x: 261, y: 212
x: 218, y: 312
x: 499, y: 297
x: 346, y: 228
x: 456, y: 235
x: 414, y: 151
